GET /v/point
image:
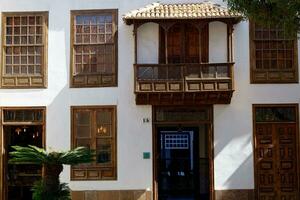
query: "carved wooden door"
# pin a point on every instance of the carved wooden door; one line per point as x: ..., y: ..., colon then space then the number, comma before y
x: 276, y: 161
x: 287, y: 162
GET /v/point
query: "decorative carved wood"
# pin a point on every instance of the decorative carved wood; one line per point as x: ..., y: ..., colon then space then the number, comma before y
x: 187, y: 98
x: 276, y: 161
x: 288, y: 161
x: 183, y: 83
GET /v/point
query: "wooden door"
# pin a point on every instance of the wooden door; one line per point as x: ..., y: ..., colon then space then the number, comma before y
x: 265, y: 162
x: 287, y: 161
x: 276, y: 161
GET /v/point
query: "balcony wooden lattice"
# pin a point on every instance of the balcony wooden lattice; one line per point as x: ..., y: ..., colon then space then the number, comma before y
x: 177, y: 84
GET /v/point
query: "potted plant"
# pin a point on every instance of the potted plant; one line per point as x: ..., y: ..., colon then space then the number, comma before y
x: 50, y: 188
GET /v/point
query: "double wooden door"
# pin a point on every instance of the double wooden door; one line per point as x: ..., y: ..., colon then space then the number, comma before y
x: 276, y: 160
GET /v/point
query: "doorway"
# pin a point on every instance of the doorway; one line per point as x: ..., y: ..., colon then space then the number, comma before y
x: 276, y: 144
x: 21, y: 127
x: 183, y: 154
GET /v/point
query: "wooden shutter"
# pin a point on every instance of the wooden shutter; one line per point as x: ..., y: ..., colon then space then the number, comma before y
x: 185, y: 44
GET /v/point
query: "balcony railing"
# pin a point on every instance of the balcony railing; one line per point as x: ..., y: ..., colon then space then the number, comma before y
x: 182, y: 78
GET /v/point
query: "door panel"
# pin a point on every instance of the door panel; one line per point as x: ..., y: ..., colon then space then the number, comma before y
x: 265, y: 165
x: 287, y: 161
x: 276, y: 161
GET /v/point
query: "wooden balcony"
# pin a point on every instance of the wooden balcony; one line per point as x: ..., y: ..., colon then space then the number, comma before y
x: 183, y: 84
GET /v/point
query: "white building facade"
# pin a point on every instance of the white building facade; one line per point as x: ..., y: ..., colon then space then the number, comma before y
x: 154, y: 139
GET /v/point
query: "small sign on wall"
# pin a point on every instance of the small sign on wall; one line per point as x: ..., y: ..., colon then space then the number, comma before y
x: 146, y: 155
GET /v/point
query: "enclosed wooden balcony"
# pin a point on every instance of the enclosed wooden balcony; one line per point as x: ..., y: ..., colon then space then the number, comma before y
x: 188, y: 49
x: 165, y: 84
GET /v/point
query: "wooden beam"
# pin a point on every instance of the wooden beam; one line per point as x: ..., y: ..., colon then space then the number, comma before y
x: 229, y: 42
x: 135, y: 27
x: 166, y: 26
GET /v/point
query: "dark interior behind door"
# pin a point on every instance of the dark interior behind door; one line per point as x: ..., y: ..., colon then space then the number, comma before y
x: 182, y: 164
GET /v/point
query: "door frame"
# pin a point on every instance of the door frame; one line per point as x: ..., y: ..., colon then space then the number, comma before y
x: 3, y: 193
x: 296, y: 107
x: 183, y: 124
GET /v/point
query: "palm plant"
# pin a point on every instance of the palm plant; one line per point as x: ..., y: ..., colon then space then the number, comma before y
x: 50, y: 188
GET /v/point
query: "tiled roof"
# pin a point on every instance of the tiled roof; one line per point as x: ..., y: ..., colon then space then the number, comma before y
x: 204, y: 10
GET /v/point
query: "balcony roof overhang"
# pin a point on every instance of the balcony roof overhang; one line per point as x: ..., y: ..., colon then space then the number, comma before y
x: 206, y: 11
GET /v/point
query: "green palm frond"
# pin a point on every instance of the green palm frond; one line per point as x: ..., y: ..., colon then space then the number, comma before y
x: 77, y: 156
x: 50, y: 188
x: 30, y: 154
x: 36, y: 155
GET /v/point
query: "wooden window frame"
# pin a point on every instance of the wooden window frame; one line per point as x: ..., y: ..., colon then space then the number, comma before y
x: 98, y: 168
x: 277, y: 76
x: 25, y: 81
x: 96, y: 79
x: 2, y: 123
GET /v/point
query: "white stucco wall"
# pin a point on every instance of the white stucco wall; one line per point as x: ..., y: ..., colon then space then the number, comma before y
x: 217, y: 42
x: 133, y: 136
x: 147, y: 43
x: 232, y: 123
x: 233, y: 127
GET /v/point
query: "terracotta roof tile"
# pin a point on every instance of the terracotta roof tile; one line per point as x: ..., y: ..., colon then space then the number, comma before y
x: 206, y: 10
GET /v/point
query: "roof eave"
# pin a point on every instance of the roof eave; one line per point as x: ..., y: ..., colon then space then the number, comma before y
x: 232, y: 19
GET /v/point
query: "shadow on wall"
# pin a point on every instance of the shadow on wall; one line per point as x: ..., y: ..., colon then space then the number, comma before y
x: 239, y: 194
x: 240, y: 171
x: 233, y: 150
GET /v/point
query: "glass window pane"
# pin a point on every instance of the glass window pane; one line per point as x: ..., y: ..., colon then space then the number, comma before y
x: 23, y: 115
x: 209, y: 72
x: 104, y: 117
x: 83, y: 131
x: 83, y: 143
x: 275, y: 114
x: 181, y: 114
x: 104, y: 150
x: 83, y: 118
x: 222, y: 71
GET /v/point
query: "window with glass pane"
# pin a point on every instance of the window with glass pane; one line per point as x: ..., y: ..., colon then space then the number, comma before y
x: 180, y: 114
x: 23, y: 115
x: 273, y: 55
x: 275, y: 114
x: 94, y: 53
x: 24, y: 49
x: 95, y: 128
